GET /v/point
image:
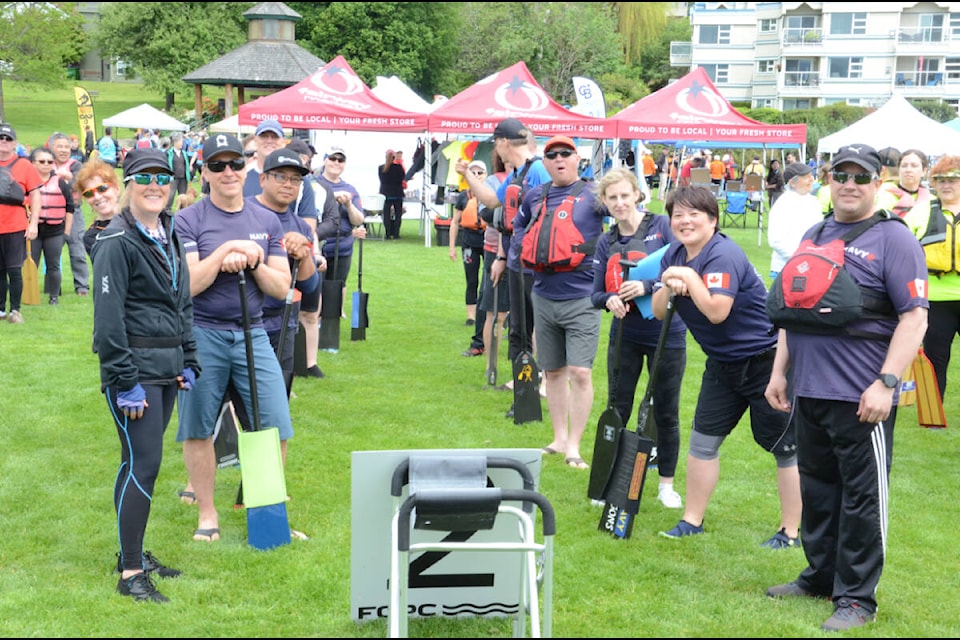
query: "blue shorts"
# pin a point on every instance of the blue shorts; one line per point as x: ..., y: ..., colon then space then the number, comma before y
x: 224, y: 358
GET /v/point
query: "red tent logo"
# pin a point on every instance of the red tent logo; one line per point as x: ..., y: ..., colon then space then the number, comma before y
x: 337, y: 80
x: 699, y: 100
x: 518, y: 95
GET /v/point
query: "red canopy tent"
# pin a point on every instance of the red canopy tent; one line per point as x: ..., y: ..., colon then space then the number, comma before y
x: 333, y: 98
x: 513, y: 93
x: 692, y: 110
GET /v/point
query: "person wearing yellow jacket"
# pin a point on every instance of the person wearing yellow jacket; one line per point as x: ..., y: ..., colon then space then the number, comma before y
x: 907, y: 191
x: 934, y: 223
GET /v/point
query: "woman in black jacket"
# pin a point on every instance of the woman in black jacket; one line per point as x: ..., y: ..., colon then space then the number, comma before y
x: 391, y: 187
x: 774, y: 181
x: 143, y: 335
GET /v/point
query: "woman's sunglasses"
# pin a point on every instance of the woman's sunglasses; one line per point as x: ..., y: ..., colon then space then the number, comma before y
x: 89, y: 193
x: 143, y: 179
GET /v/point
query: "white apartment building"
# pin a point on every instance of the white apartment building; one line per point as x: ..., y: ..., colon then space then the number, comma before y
x: 797, y: 55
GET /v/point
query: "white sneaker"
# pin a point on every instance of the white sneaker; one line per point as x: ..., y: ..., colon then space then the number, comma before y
x: 669, y: 498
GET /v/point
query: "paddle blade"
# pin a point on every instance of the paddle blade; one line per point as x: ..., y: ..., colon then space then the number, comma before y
x: 929, y: 406
x: 268, y: 526
x: 609, y: 427
x: 31, y: 281
x: 625, y: 489
x: 526, y: 392
x: 358, y: 316
x: 261, y: 467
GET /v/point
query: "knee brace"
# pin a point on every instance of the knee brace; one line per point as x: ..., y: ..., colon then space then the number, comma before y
x: 704, y: 447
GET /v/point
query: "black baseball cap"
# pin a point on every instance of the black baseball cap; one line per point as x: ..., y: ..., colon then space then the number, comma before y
x: 6, y: 129
x: 140, y: 160
x: 862, y: 155
x: 511, y: 129
x: 221, y: 143
x: 795, y: 170
x: 284, y: 157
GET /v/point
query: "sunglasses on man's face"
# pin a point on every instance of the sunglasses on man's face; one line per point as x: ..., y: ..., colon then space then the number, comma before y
x: 143, y: 179
x: 89, y: 193
x: 563, y: 153
x: 841, y: 177
x: 43, y: 161
x: 339, y: 159
x: 219, y: 166
x: 4, y: 138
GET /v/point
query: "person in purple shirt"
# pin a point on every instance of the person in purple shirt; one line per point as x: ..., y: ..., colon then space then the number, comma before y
x: 223, y: 235
x: 722, y: 299
x: 638, y: 233
x: 842, y: 392
x: 567, y: 323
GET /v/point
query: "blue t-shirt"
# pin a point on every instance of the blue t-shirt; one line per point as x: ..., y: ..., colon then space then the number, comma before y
x: 273, y: 307
x: 727, y: 271
x: 636, y: 328
x: 346, y: 228
x: 587, y: 216
x: 886, y: 257
x: 203, y: 227
x: 536, y: 175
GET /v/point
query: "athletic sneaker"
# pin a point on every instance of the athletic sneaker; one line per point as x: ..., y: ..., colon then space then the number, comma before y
x: 781, y: 540
x: 152, y: 565
x: 140, y: 587
x: 315, y: 372
x: 792, y: 590
x: 682, y: 530
x: 3, y: 314
x: 15, y: 317
x: 847, y: 614
x: 669, y: 498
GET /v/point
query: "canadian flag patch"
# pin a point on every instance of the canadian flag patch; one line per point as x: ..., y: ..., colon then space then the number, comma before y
x: 717, y: 280
x: 917, y: 288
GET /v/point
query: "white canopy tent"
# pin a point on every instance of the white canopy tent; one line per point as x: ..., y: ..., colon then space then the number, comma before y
x: 896, y: 124
x: 145, y: 117
x: 395, y: 92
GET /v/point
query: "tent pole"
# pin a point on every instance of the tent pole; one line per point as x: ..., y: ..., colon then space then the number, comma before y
x: 427, y: 181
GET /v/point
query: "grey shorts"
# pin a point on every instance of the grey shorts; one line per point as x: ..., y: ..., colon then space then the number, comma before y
x: 568, y: 332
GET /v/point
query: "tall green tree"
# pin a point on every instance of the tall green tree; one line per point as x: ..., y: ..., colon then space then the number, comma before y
x: 415, y: 41
x: 640, y: 24
x: 37, y: 39
x: 164, y: 41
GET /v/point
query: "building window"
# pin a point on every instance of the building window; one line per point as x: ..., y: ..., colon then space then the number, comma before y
x: 719, y: 73
x: 952, y: 67
x: 796, y: 103
x: 846, y: 24
x: 954, y: 26
x: 715, y: 34
x: 931, y: 27
x: 845, y: 67
x: 768, y: 65
x: 768, y: 25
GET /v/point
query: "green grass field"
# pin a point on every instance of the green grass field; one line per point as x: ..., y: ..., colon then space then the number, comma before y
x: 408, y: 387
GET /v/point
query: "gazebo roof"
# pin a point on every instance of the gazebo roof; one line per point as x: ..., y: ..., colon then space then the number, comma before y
x: 266, y: 64
x: 271, y: 10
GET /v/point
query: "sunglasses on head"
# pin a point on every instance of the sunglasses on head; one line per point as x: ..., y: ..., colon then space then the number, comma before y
x: 858, y: 178
x: 219, y: 166
x: 89, y: 193
x: 143, y: 179
x: 563, y: 153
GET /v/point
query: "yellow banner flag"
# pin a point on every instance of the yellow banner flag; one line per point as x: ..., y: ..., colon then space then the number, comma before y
x: 85, y: 114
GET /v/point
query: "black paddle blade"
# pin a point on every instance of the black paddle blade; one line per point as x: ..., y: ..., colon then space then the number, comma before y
x: 331, y: 305
x: 526, y: 392
x: 625, y: 488
x: 358, y: 316
x: 609, y: 427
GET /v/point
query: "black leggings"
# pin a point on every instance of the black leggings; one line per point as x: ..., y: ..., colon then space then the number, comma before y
x: 141, y: 451
x: 391, y: 222
x: 15, y: 276
x: 943, y: 324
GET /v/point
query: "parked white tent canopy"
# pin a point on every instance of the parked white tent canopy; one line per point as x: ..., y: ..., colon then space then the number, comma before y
x: 145, y: 117
x: 896, y: 124
x: 396, y: 93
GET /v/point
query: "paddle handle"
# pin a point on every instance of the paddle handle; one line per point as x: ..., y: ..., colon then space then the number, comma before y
x: 248, y: 344
x: 644, y: 410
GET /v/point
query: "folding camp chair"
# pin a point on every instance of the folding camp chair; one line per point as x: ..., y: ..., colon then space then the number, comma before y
x: 735, y: 210
x: 450, y: 493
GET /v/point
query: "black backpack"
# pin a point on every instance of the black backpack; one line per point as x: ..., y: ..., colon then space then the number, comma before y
x: 11, y: 192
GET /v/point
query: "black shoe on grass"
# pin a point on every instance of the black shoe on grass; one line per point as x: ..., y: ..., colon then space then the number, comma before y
x: 154, y: 566
x: 141, y: 588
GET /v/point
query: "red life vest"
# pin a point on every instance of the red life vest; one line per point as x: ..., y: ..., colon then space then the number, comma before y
x: 553, y: 243
x: 635, y: 249
x: 53, y: 204
x: 503, y: 219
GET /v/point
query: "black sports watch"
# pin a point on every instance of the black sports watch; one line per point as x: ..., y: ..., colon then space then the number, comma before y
x: 889, y: 380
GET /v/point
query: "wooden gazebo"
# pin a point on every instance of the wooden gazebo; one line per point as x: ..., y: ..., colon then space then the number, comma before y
x: 271, y: 59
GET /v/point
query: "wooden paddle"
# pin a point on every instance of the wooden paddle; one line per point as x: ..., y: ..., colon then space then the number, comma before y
x: 31, y: 280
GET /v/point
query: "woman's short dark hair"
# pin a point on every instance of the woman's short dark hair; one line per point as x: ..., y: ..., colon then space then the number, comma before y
x: 695, y: 197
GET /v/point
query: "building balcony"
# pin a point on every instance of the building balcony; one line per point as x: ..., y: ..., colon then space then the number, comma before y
x: 681, y: 54
x: 805, y: 38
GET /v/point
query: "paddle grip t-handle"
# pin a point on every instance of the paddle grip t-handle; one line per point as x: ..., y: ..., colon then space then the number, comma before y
x: 248, y: 344
x: 644, y: 410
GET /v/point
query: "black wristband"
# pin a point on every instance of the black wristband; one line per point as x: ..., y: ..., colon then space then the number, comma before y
x: 256, y: 265
x: 504, y: 258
